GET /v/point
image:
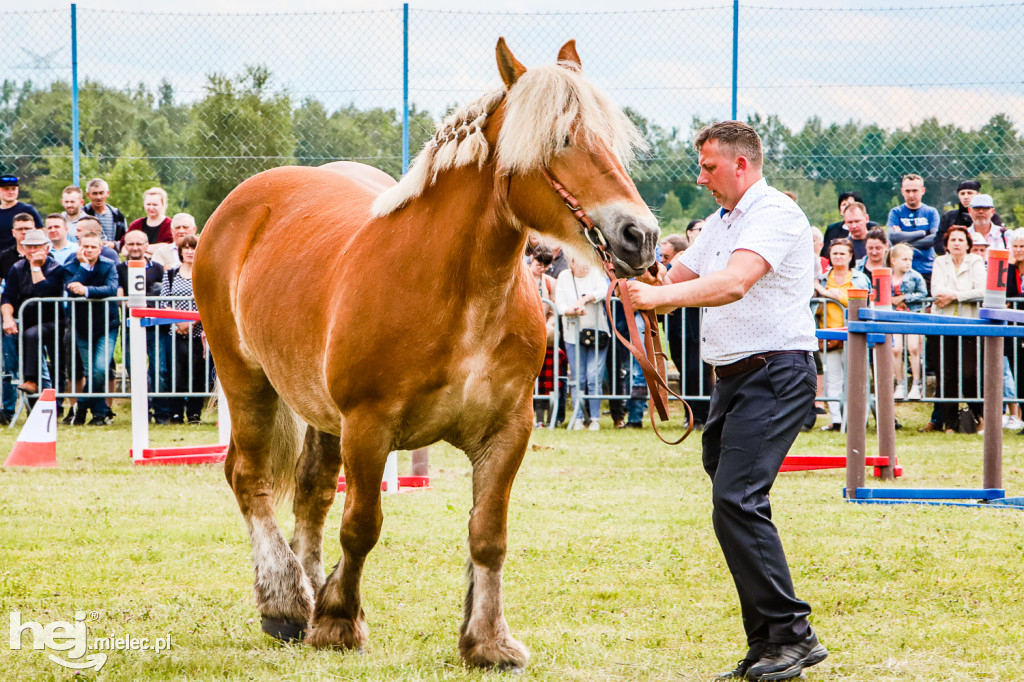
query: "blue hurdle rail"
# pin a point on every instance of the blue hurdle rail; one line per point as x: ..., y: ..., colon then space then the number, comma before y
x: 992, y: 324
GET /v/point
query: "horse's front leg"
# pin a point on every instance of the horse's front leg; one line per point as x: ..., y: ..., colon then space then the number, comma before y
x: 338, y: 620
x: 485, y: 637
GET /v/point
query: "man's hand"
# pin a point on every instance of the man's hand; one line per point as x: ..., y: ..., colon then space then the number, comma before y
x: 182, y: 327
x: 77, y: 288
x: 643, y: 296
x: 10, y: 325
x: 36, y: 258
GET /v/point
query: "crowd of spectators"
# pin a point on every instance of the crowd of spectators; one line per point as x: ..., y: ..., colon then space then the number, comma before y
x: 77, y: 258
x: 938, y: 266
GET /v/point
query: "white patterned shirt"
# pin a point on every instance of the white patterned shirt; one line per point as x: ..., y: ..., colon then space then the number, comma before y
x: 775, y: 313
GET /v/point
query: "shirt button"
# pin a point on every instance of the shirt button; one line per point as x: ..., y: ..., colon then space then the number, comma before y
x: 703, y: 339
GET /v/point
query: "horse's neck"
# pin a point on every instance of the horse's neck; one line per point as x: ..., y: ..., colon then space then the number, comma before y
x: 483, y: 248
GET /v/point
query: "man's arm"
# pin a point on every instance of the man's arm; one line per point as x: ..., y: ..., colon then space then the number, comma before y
x: 726, y: 286
x: 108, y: 271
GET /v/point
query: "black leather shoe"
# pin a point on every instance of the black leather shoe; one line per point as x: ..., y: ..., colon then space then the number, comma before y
x: 740, y: 672
x: 785, y: 661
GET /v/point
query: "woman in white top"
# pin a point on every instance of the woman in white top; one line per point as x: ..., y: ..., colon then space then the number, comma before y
x: 958, y: 285
x: 579, y: 293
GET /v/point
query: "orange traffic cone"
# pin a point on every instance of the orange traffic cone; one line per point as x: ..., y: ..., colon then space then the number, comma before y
x: 37, y: 443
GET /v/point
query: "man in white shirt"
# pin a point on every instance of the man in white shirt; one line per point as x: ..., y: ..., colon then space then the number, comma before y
x: 982, y: 228
x: 752, y: 271
x: 56, y: 229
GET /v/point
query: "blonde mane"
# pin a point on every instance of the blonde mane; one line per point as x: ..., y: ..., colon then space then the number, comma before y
x: 544, y: 107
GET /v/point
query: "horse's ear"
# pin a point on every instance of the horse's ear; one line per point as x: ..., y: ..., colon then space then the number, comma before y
x: 569, y: 57
x: 508, y: 65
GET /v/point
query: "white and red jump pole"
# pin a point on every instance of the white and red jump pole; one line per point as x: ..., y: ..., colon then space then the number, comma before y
x: 141, y: 452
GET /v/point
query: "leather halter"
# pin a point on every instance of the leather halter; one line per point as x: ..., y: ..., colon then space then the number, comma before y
x: 648, y: 353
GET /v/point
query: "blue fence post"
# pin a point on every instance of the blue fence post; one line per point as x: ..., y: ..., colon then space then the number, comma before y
x: 405, y: 88
x: 75, y: 161
x: 735, y: 51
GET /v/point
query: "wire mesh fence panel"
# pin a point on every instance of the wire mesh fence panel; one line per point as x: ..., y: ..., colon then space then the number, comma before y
x: 843, y: 98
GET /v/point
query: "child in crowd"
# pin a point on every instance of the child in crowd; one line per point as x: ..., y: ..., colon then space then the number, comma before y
x: 908, y: 292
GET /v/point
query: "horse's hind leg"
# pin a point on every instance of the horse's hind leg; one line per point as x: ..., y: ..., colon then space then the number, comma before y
x: 338, y: 619
x: 316, y: 483
x: 260, y: 460
x: 485, y: 637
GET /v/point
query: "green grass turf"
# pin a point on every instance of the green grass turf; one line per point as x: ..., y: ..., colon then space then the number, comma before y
x: 612, y: 573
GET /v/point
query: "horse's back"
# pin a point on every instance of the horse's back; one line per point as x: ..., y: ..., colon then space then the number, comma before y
x: 266, y: 254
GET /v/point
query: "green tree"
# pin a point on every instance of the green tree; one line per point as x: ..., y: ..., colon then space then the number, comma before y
x: 240, y: 128
x: 131, y: 175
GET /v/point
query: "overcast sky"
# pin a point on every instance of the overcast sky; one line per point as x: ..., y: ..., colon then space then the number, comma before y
x: 895, y: 65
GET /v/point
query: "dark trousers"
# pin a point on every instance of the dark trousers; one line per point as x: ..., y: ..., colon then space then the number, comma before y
x: 189, y: 377
x: 40, y: 343
x: 753, y: 421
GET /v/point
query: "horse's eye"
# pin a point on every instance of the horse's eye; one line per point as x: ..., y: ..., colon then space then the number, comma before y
x: 567, y: 142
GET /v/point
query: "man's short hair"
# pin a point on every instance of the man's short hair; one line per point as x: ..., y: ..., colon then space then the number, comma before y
x: 879, y: 234
x: 856, y: 204
x: 738, y: 137
x: 677, y: 241
x: 72, y: 188
x: 182, y: 219
x: 96, y: 182
x: 136, y: 233
x: 158, y: 191
x: 24, y: 217
x: 83, y: 237
x: 87, y: 225
x: 911, y: 176
x: 56, y: 216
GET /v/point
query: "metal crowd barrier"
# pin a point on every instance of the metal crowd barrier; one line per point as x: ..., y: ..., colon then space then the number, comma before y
x: 70, y: 345
x: 674, y: 333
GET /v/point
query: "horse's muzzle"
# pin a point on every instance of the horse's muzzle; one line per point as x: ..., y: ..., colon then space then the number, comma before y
x: 632, y: 237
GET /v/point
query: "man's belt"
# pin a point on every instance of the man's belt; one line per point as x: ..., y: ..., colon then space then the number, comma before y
x: 750, y: 363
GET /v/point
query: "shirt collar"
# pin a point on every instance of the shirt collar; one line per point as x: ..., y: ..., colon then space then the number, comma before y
x: 753, y: 193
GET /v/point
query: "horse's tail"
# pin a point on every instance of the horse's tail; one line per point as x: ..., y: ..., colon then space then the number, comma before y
x: 285, y: 448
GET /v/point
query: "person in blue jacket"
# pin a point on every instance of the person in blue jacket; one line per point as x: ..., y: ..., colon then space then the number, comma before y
x: 90, y: 279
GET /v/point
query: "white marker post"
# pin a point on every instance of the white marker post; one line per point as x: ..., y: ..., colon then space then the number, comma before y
x: 137, y: 343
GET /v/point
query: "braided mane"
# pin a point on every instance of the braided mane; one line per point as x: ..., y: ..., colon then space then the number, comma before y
x: 546, y: 106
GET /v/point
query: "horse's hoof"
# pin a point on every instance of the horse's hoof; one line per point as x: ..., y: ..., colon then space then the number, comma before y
x: 511, y: 668
x: 284, y: 630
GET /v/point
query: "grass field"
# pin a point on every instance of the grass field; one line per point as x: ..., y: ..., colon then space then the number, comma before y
x: 613, y: 571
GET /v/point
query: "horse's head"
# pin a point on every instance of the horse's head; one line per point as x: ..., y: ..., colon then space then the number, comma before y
x: 546, y: 122
x: 554, y: 125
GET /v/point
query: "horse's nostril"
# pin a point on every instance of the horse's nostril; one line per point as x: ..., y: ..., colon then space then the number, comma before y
x: 633, y: 235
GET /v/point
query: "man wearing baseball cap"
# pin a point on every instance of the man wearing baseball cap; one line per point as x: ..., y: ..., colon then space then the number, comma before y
x: 10, y: 207
x: 37, y: 275
x: 982, y: 228
x: 965, y: 191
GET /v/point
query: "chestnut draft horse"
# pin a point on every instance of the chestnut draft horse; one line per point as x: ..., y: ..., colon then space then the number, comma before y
x: 350, y: 316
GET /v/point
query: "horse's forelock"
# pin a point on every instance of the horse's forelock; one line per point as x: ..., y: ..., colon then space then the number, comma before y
x: 548, y: 104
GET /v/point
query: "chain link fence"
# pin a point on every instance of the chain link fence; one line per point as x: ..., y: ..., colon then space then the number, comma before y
x: 847, y: 98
